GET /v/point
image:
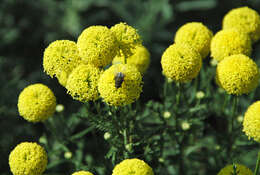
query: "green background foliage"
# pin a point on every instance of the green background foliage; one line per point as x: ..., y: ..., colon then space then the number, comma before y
x: 28, y: 26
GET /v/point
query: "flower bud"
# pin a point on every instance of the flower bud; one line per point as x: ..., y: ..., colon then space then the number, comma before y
x: 67, y: 155
x: 166, y: 114
x: 59, y: 108
x: 185, y: 126
x: 200, y: 95
x: 240, y: 118
x: 107, y: 135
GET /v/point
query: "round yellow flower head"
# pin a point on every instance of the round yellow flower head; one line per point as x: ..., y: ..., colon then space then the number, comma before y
x: 62, y: 78
x: 97, y: 45
x: 36, y: 103
x: 140, y: 59
x: 251, y: 123
x: 60, y: 58
x: 127, y: 37
x: 195, y: 34
x: 181, y: 63
x: 82, y: 83
x: 237, y: 74
x: 28, y: 158
x: 245, y: 20
x: 240, y: 170
x: 82, y: 173
x: 132, y: 166
x: 230, y: 42
x: 120, y: 85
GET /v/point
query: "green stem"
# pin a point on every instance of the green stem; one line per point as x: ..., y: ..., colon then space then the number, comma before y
x: 231, y: 126
x: 257, y: 164
x: 233, y: 114
x: 165, y: 88
x: 234, y: 169
x: 180, y: 142
x: 224, y: 104
x: 178, y: 96
x: 126, y: 155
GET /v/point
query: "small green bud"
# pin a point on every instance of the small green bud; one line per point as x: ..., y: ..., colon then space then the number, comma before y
x: 68, y: 155
x: 107, y: 135
x: 217, y: 147
x: 161, y: 160
x: 166, y: 114
x: 129, y: 147
x: 59, y: 108
x: 213, y: 62
x: 240, y: 118
x: 185, y: 126
x: 200, y: 95
x: 43, y: 140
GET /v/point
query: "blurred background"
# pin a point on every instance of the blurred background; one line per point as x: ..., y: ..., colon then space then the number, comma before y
x: 27, y: 27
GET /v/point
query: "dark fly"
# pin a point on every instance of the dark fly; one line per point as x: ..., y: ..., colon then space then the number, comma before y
x: 119, y: 78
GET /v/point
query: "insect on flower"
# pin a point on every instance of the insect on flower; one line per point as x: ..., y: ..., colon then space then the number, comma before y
x: 119, y: 78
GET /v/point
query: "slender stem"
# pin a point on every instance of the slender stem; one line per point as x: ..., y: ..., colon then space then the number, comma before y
x: 180, y: 142
x: 224, y: 104
x: 234, y: 110
x: 231, y: 127
x: 165, y: 88
x: 178, y: 96
x: 177, y: 102
x: 234, y: 169
x: 257, y: 164
x: 126, y: 155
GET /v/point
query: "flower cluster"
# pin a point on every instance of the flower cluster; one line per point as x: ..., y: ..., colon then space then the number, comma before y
x: 196, y: 35
x: 79, y: 66
x: 36, y: 103
x: 245, y: 20
x: 97, y: 45
x: 140, y: 59
x: 132, y: 166
x: 82, y: 83
x: 120, y: 85
x: 82, y: 173
x: 240, y: 170
x: 180, y: 62
x: 251, y: 123
x: 230, y: 42
x: 28, y: 158
x: 60, y: 58
x: 127, y: 38
x: 237, y: 74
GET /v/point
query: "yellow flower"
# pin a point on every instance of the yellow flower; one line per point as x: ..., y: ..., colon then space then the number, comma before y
x: 251, y: 123
x: 195, y: 34
x: 28, y: 158
x: 63, y: 78
x: 120, y: 85
x: 82, y: 173
x: 181, y: 63
x: 237, y: 74
x: 36, y: 103
x: 60, y: 58
x: 97, y: 45
x: 140, y: 59
x: 127, y: 37
x: 82, y: 83
x: 245, y: 20
x: 230, y: 42
x: 132, y: 166
x: 240, y: 170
